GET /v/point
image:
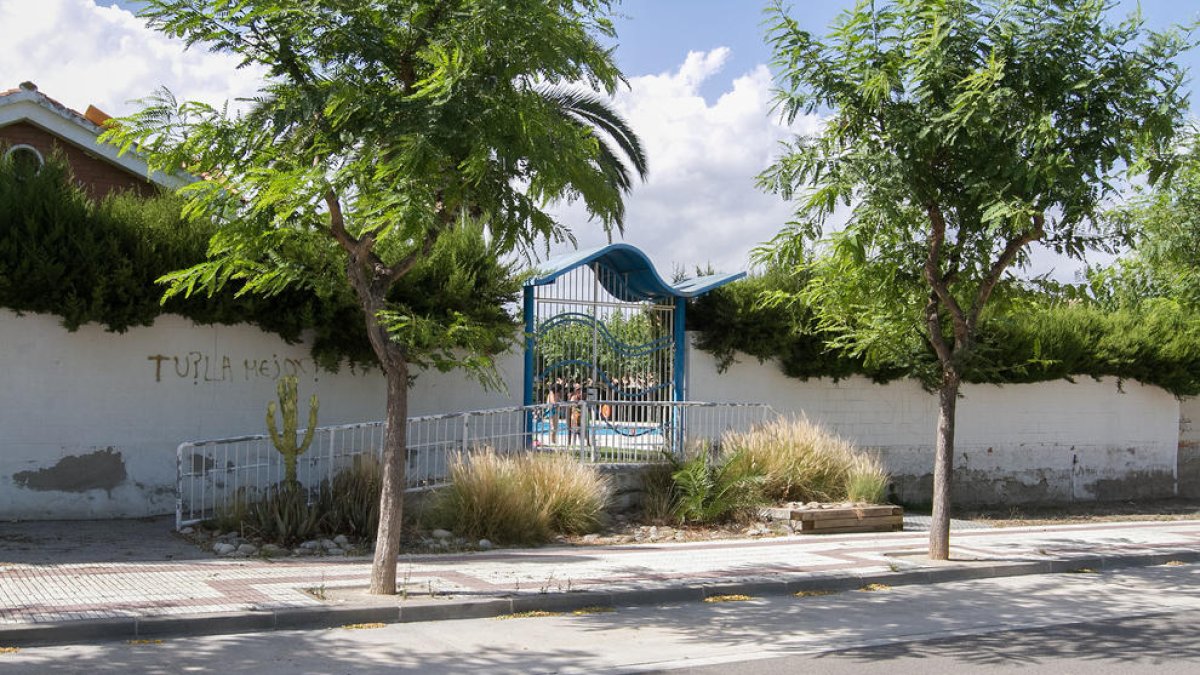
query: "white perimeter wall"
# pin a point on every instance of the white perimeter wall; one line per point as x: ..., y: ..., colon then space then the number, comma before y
x: 89, y: 421
x: 1189, y: 447
x: 1053, y: 441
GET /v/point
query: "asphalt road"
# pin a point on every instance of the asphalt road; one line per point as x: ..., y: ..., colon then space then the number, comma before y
x: 1133, y: 621
x: 1163, y: 644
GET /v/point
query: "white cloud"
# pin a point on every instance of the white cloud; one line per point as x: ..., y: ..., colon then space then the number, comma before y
x: 80, y: 54
x: 700, y: 204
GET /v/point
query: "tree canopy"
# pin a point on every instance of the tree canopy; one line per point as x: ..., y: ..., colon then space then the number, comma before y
x: 382, y: 128
x: 961, y: 132
x: 957, y: 133
x: 1163, y: 224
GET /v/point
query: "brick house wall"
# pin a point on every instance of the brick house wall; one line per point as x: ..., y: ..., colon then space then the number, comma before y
x: 97, y: 176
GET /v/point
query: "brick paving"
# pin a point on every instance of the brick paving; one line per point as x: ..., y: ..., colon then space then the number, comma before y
x: 32, y: 594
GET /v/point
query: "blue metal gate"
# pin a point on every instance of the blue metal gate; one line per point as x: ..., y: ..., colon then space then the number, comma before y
x: 602, y: 326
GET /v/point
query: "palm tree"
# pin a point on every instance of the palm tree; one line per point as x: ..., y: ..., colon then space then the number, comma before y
x: 617, y: 139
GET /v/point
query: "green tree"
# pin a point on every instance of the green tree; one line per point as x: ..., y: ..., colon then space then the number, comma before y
x: 1163, y: 223
x: 385, y: 126
x: 958, y: 133
x: 623, y: 343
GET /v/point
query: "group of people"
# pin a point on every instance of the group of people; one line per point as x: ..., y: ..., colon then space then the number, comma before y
x: 559, y: 392
x: 570, y: 391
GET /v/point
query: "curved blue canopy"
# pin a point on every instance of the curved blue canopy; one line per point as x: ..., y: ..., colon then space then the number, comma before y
x: 640, y: 279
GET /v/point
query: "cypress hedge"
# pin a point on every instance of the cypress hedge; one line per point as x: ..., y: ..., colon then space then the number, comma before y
x: 64, y: 254
x: 1045, y: 337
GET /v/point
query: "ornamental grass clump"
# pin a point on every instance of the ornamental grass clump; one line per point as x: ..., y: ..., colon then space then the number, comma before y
x: 801, y: 461
x: 572, y: 495
x: 520, y: 498
x: 351, y: 502
x: 867, y: 481
x: 658, y: 492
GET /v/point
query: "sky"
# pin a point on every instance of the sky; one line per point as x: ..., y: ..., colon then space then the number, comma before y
x: 699, y: 96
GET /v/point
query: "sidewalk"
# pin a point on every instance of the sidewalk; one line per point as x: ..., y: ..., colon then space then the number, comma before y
x: 44, y: 602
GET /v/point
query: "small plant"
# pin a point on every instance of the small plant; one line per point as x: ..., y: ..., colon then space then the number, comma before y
x: 572, y: 495
x: 284, y: 515
x: 144, y: 642
x: 658, y: 492
x: 350, y: 503
x: 363, y: 626
x: 532, y: 614
x: 404, y: 583
x: 711, y: 490
x: 595, y: 609
x: 867, y: 481
x: 9, y: 650
x: 815, y: 593
x: 783, y: 460
x: 233, y: 514
x: 874, y: 588
x: 732, y: 597
x: 286, y: 441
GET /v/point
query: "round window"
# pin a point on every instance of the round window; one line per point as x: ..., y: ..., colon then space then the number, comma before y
x: 25, y: 158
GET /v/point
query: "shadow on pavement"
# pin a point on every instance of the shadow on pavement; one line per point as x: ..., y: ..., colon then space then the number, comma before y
x: 1145, y: 640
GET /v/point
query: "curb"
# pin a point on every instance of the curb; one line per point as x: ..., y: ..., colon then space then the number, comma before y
x: 132, y: 628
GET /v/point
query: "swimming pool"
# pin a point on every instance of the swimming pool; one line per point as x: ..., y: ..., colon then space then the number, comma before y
x: 602, y: 428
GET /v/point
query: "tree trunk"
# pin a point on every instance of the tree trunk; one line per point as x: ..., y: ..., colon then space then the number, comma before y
x: 394, y: 361
x: 371, y: 280
x: 391, y: 500
x: 943, y: 465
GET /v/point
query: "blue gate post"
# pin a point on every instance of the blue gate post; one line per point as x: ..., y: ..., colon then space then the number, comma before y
x: 680, y: 393
x: 530, y: 337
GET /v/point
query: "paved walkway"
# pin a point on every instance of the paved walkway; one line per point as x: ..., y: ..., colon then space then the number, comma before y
x: 46, y: 595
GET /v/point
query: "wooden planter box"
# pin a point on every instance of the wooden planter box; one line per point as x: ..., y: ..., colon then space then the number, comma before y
x: 840, y: 520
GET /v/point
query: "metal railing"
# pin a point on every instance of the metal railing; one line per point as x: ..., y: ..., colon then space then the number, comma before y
x: 212, y: 474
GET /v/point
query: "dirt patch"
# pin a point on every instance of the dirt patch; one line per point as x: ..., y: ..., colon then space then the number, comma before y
x: 94, y: 541
x: 1090, y: 512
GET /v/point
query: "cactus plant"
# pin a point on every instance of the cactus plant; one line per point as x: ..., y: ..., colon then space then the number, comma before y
x: 286, y: 441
